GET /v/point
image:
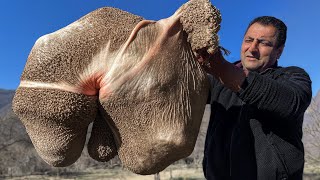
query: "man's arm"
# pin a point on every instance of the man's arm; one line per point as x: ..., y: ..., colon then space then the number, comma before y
x: 227, y: 73
x: 286, y: 96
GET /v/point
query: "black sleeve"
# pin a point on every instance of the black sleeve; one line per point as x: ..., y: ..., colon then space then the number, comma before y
x: 287, y: 95
x: 213, y: 82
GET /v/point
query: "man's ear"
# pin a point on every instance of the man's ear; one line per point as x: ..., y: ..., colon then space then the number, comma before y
x: 279, y: 51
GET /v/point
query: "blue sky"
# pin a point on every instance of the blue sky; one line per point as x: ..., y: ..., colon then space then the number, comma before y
x: 23, y: 22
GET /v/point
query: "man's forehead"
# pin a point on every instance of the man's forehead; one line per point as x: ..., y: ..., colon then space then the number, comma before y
x: 261, y: 31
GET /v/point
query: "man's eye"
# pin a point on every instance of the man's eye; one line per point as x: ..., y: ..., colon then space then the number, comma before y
x: 266, y: 43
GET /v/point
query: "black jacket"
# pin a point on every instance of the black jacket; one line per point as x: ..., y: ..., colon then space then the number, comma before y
x: 256, y: 133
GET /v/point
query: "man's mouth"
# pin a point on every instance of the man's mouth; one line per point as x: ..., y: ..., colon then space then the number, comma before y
x: 251, y: 58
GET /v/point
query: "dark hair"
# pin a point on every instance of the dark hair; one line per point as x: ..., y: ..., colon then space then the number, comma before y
x: 277, y: 23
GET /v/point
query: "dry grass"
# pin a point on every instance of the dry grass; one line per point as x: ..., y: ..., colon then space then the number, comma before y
x: 312, y: 169
x: 173, y: 172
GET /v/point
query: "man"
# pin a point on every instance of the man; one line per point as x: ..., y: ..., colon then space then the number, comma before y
x: 257, y: 109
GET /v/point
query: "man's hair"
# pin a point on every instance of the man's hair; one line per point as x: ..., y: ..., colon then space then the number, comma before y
x: 277, y: 23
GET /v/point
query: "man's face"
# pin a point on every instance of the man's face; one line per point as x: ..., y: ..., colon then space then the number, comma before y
x: 258, y: 50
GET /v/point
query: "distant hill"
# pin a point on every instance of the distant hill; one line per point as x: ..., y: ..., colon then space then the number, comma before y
x: 311, y: 134
x: 5, y: 97
x: 313, y: 109
x: 317, y: 99
x: 5, y: 101
x: 312, y: 114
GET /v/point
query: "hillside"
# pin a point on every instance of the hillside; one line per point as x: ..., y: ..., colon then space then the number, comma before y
x: 311, y: 135
x: 317, y: 99
x: 5, y: 101
x: 5, y: 96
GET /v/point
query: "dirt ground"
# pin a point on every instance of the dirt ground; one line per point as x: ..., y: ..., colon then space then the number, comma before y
x: 171, y: 173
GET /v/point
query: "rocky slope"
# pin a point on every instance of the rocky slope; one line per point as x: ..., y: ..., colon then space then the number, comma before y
x: 5, y: 100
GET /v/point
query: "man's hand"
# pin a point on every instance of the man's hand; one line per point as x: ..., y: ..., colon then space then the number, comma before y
x: 227, y: 73
x: 208, y: 60
x: 203, y: 58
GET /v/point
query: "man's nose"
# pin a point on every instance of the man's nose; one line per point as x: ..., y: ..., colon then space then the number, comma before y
x: 254, y: 46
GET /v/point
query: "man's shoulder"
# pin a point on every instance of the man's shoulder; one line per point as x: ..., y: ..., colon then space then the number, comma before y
x: 294, y: 69
x: 290, y: 70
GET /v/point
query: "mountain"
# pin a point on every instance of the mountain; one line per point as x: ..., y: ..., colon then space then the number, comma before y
x: 5, y: 97
x: 313, y: 110
x: 311, y: 133
x: 5, y: 101
x: 312, y: 114
x: 317, y: 99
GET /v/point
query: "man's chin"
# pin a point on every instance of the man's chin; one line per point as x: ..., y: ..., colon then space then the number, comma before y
x: 251, y: 65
